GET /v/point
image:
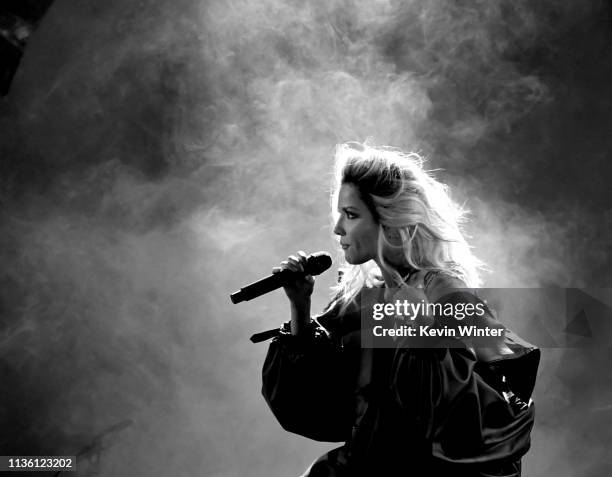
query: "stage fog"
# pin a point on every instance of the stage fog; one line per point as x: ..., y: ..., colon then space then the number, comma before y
x: 158, y: 155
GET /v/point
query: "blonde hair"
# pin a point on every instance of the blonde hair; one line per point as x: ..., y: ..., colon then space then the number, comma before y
x: 404, y: 198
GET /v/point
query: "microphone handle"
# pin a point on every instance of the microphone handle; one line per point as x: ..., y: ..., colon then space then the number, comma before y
x: 261, y: 287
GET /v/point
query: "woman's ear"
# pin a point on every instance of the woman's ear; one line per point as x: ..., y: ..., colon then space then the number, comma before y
x: 392, y: 235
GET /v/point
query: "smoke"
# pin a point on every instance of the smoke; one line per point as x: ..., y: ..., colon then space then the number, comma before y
x: 159, y: 154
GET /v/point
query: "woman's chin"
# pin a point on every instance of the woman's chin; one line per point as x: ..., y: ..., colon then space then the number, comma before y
x: 351, y: 260
x: 348, y: 258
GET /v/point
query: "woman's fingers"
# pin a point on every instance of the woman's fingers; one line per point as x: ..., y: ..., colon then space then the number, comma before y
x: 295, y: 260
x: 303, y: 257
x: 289, y: 265
x: 292, y: 266
x: 294, y: 263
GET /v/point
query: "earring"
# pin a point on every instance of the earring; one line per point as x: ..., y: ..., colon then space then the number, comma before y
x: 392, y: 234
x: 414, y: 231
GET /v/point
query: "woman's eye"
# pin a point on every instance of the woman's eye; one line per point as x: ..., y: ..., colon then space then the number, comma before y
x: 350, y: 215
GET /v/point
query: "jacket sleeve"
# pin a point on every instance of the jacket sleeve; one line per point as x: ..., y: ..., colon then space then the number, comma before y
x: 305, y: 385
x: 464, y: 417
x: 461, y: 405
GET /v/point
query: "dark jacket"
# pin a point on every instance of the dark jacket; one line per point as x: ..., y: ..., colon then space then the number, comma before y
x: 402, y: 411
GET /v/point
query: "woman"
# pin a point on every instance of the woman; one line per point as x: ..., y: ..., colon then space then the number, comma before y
x: 449, y: 409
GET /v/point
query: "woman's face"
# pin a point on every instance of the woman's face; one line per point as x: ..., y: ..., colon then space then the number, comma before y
x: 356, y: 226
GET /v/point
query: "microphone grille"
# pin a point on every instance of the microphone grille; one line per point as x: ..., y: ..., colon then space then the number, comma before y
x: 317, y: 263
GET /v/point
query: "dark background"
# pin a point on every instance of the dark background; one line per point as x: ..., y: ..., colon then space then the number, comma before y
x: 158, y: 154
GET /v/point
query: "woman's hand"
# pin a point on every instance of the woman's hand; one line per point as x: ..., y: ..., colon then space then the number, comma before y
x: 298, y: 291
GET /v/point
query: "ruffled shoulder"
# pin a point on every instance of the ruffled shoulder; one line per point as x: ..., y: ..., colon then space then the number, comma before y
x: 340, y: 320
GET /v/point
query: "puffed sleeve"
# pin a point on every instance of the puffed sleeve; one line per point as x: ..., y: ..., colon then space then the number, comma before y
x: 446, y: 402
x: 305, y: 384
x: 462, y: 404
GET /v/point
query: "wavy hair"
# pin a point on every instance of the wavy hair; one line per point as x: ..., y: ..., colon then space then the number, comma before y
x: 406, y: 199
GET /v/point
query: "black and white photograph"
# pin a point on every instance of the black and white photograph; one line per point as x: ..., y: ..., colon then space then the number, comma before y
x: 280, y: 238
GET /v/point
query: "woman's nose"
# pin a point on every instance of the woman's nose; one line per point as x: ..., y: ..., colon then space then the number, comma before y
x: 338, y: 230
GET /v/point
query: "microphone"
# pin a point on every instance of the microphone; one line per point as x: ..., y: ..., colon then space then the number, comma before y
x: 316, y: 263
